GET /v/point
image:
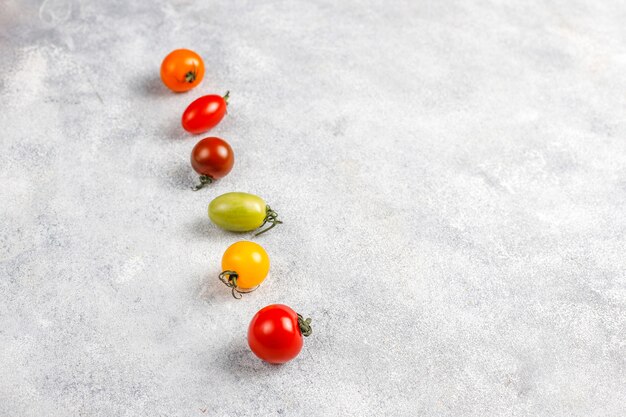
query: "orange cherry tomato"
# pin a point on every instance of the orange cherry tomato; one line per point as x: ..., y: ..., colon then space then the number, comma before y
x: 245, y: 265
x: 182, y: 70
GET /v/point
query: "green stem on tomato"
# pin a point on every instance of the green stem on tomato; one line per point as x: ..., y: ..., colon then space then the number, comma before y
x: 305, y: 325
x: 270, y: 217
x: 229, y: 278
x: 204, y: 180
x: 191, y: 75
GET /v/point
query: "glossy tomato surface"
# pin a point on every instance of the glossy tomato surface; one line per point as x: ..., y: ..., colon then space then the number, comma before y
x: 212, y: 157
x: 238, y: 212
x: 182, y: 70
x: 204, y: 113
x: 274, y: 334
x: 249, y: 260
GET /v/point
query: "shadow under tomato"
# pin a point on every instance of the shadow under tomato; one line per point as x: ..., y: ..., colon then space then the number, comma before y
x: 202, y: 228
x: 176, y: 132
x: 152, y: 86
x: 182, y: 177
x: 242, y: 363
x: 213, y: 291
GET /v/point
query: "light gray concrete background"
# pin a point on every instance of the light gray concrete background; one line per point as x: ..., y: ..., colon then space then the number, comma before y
x: 452, y: 177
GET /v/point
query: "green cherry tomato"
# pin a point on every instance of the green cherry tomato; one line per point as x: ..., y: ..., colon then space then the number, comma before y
x: 242, y: 212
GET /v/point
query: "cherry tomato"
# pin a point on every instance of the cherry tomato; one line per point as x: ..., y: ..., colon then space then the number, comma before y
x: 275, y: 333
x: 245, y: 265
x: 204, y: 113
x: 212, y: 158
x: 242, y: 212
x: 182, y: 70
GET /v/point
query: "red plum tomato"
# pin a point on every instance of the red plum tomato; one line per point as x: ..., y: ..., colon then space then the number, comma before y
x: 204, y: 113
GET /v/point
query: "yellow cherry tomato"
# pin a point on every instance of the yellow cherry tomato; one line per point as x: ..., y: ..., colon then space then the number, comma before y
x: 244, y: 266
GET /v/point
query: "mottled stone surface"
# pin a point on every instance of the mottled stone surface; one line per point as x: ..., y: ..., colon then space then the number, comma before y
x: 452, y: 177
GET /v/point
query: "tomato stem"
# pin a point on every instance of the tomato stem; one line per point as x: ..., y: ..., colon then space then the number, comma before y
x: 305, y: 326
x: 204, y: 180
x: 270, y: 217
x: 226, y: 97
x: 191, y: 75
x: 229, y: 278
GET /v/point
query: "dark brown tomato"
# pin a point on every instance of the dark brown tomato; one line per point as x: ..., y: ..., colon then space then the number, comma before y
x: 212, y: 158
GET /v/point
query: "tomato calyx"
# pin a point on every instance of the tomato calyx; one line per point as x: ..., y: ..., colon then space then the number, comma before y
x: 270, y: 217
x: 305, y: 325
x: 226, y: 97
x: 190, y: 76
x: 204, y: 180
x: 229, y: 278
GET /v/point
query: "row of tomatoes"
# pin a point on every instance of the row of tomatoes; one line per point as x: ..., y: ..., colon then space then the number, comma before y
x: 275, y: 332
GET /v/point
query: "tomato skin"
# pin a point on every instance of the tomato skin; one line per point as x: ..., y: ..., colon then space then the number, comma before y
x: 182, y: 70
x: 274, y: 334
x: 238, y: 212
x: 204, y: 113
x: 212, y: 157
x: 249, y: 260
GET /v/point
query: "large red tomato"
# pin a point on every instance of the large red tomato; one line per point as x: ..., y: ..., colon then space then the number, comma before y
x: 212, y: 158
x: 275, y: 333
x: 204, y: 113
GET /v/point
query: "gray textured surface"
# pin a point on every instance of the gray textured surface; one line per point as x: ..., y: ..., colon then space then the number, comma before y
x: 452, y: 176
